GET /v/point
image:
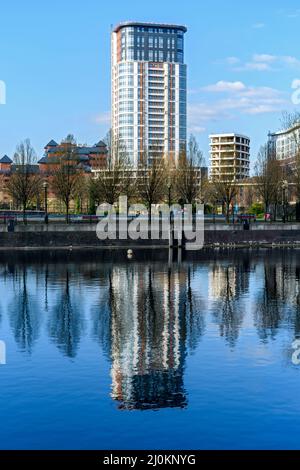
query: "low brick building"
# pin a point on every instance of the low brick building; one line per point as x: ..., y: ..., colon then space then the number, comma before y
x: 86, y: 159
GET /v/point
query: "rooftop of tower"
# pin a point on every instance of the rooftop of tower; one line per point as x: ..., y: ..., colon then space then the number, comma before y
x: 149, y: 25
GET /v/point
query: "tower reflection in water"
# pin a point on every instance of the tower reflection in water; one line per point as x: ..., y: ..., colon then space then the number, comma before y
x: 150, y: 316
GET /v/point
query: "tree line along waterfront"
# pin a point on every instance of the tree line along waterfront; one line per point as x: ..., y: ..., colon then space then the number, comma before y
x: 69, y: 184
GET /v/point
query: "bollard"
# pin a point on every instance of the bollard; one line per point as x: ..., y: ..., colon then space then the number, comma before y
x: 11, y: 226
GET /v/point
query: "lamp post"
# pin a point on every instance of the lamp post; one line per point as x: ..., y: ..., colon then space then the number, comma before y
x: 233, y: 212
x: 285, y: 186
x: 170, y: 214
x: 170, y: 200
x: 46, y: 202
x: 169, y: 193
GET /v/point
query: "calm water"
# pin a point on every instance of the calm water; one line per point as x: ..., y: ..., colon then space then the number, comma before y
x: 116, y: 354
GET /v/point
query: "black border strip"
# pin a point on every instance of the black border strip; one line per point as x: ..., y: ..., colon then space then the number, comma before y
x: 151, y: 458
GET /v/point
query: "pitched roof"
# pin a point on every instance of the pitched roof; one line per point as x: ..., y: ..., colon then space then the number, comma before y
x: 100, y: 144
x: 52, y: 143
x: 43, y: 160
x: 5, y: 159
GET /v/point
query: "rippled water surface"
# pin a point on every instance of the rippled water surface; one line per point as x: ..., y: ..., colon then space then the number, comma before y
x: 109, y: 353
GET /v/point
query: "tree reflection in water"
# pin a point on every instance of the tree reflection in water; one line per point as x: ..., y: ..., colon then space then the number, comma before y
x: 229, y: 282
x: 278, y: 301
x: 25, y: 317
x: 150, y: 315
x: 66, y: 322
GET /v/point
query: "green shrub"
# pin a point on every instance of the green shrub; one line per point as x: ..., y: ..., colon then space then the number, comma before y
x: 257, y: 209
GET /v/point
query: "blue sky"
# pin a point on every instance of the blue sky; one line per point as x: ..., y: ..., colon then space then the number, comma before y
x: 55, y: 60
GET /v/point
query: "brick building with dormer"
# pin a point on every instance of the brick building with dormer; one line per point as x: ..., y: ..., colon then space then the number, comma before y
x: 86, y: 159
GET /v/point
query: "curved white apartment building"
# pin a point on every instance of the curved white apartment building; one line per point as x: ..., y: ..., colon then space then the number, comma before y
x: 230, y: 157
x: 148, y: 90
x: 284, y: 145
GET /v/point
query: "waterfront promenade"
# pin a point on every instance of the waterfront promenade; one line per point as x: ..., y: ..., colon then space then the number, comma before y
x: 82, y: 236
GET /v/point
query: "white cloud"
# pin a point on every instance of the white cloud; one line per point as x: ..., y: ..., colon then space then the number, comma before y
x: 192, y: 91
x: 222, y: 86
x: 266, y: 62
x: 196, y: 129
x: 294, y: 14
x: 201, y: 113
x: 258, y: 66
x: 260, y: 109
x: 267, y: 58
x: 262, y: 92
x: 292, y: 61
x: 258, y: 25
x: 238, y: 99
x: 103, y: 118
x: 232, y: 60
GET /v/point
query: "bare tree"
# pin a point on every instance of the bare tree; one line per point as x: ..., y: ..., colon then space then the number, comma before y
x: 223, y: 192
x: 189, y: 173
x: 290, y: 121
x: 113, y: 182
x: 249, y: 196
x: 66, y: 179
x: 151, y: 183
x: 92, y: 189
x: 25, y: 183
x: 268, y: 177
x: 3, y: 188
x: 108, y: 142
x: 117, y: 179
x: 195, y: 155
x: 70, y: 139
x: 82, y: 193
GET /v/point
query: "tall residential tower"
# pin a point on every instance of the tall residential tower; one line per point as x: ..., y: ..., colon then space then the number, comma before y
x: 149, y: 80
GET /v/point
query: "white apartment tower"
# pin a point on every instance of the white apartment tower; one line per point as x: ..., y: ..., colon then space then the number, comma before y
x: 230, y: 157
x: 148, y: 91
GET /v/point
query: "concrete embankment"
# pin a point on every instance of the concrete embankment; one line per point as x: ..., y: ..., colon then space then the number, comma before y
x: 81, y: 236
x: 259, y: 235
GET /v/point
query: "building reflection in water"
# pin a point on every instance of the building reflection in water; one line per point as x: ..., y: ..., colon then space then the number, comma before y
x: 228, y: 282
x: 152, y: 317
